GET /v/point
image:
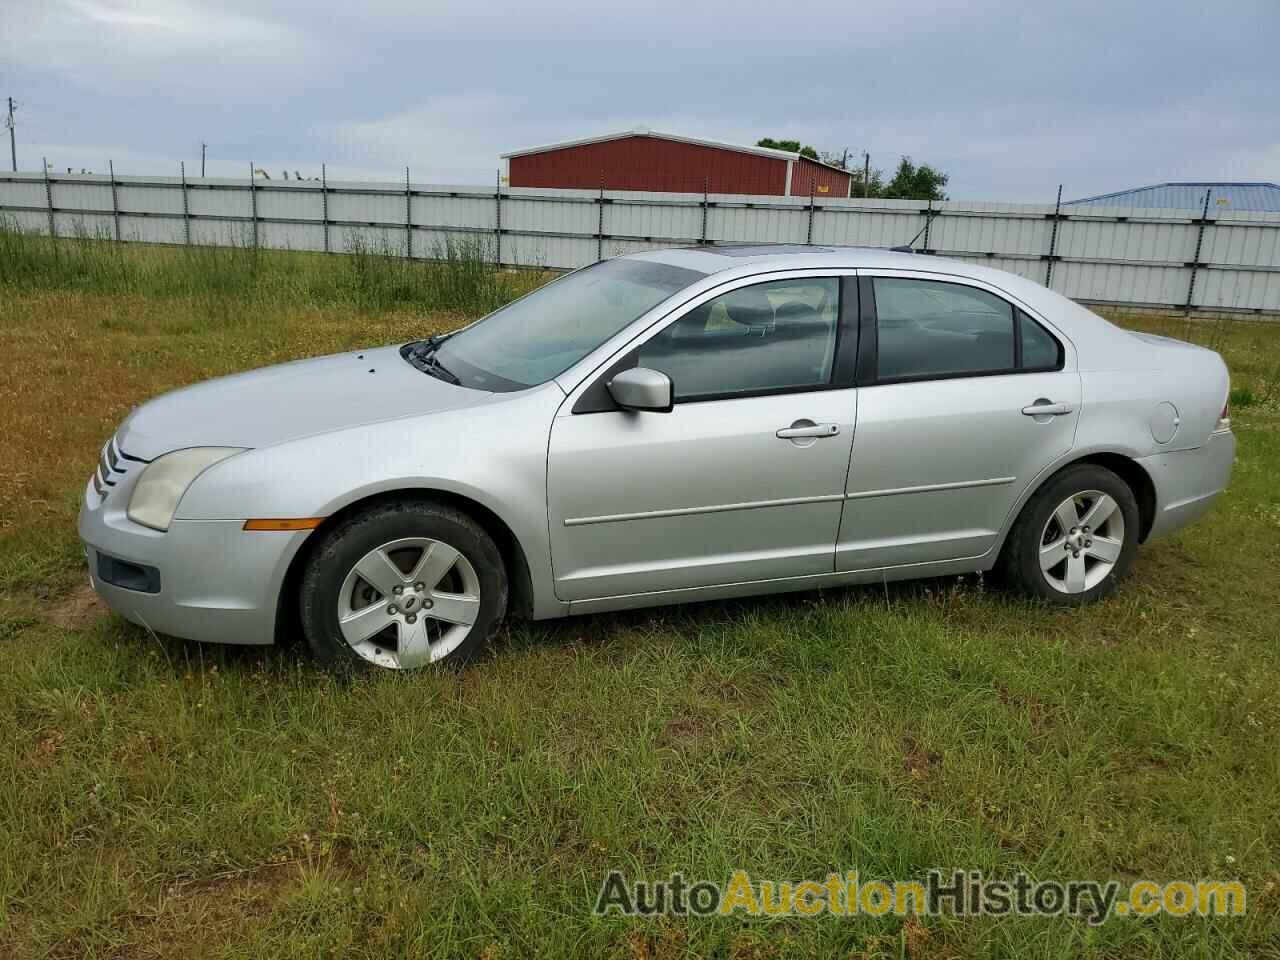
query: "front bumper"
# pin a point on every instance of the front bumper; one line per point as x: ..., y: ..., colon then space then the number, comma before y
x: 1188, y: 482
x: 216, y: 582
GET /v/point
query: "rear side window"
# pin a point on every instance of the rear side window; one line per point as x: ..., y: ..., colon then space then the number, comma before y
x: 929, y: 329
x: 1040, y: 351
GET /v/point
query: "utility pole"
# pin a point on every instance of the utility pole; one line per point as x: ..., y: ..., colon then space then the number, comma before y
x: 13, y: 150
x: 203, y: 146
x: 866, y: 174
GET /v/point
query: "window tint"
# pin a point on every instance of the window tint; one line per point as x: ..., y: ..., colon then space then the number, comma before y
x: 926, y: 328
x: 770, y: 336
x: 1039, y: 350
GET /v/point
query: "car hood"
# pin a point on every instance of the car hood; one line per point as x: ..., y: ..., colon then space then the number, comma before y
x: 288, y: 401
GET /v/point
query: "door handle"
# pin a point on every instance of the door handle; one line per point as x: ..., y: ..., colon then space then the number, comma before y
x: 803, y: 429
x: 1046, y: 408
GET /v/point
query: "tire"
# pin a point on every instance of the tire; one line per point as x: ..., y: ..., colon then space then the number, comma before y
x: 1094, y: 556
x: 401, y: 585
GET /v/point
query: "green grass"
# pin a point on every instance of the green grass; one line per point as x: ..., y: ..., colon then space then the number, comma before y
x: 240, y: 275
x: 160, y: 799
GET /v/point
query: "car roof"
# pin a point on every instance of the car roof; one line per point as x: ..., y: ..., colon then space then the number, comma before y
x: 750, y: 258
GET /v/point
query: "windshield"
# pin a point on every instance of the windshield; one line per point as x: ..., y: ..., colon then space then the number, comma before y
x: 545, y: 333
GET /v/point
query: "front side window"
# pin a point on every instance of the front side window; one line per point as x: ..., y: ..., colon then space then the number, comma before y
x: 768, y: 337
x: 543, y: 334
x: 926, y: 328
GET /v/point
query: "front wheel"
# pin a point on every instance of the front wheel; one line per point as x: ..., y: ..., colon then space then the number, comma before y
x: 1075, y: 538
x: 403, y: 585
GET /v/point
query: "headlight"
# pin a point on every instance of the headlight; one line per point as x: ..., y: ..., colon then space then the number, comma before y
x: 165, y: 480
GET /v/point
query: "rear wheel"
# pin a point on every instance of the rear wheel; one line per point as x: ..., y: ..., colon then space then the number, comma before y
x: 1075, y: 538
x: 401, y: 586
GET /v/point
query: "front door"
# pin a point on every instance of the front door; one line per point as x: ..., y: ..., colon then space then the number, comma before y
x: 964, y: 400
x: 742, y: 480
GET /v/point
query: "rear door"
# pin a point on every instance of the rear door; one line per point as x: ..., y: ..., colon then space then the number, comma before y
x: 963, y: 399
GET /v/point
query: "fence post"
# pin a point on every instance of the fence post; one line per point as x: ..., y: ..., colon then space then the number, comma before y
x: 115, y: 203
x: 497, y: 220
x: 253, y: 205
x: 48, y: 197
x: 186, y: 208
x: 324, y: 204
x: 408, y: 217
x: 706, y: 188
x: 1195, y: 260
x: 600, y: 221
x: 808, y: 238
x: 1053, y: 240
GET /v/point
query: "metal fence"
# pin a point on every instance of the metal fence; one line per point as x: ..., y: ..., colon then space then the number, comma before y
x: 1229, y: 261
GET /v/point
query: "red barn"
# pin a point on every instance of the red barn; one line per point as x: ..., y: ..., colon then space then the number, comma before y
x: 642, y: 159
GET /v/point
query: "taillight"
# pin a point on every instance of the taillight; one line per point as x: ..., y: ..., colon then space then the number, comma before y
x: 1224, y: 421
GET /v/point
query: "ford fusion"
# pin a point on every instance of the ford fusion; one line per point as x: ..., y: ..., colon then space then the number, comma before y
x: 657, y: 428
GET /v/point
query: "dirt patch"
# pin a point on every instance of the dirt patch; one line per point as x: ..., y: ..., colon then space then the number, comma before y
x: 919, y: 762
x: 229, y: 885
x: 47, y: 749
x: 659, y: 942
x: 913, y: 942
x: 691, y: 729
x: 915, y: 937
x: 1170, y: 566
x: 13, y: 626
x: 740, y: 692
x: 75, y: 609
x: 195, y: 914
x: 1038, y: 712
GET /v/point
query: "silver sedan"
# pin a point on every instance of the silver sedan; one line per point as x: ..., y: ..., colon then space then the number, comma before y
x: 657, y: 428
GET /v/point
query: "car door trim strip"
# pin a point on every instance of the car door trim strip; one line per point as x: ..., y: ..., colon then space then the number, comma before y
x: 929, y: 488
x: 712, y: 508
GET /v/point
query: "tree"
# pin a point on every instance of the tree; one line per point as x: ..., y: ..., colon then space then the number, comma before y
x: 855, y: 164
x: 910, y: 182
x: 839, y: 160
x: 874, y: 189
x: 789, y: 146
x: 915, y: 183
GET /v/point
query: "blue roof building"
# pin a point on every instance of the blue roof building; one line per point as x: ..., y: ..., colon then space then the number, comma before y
x: 1190, y: 196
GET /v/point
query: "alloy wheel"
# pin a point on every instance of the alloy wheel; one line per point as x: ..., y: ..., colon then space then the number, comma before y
x: 1081, y: 541
x: 408, y: 603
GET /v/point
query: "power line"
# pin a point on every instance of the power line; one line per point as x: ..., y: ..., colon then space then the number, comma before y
x: 13, y: 149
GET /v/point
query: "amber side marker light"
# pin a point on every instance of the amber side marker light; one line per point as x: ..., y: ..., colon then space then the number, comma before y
x: 304, y: 523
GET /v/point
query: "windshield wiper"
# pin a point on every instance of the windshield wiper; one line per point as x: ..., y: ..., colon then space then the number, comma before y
x: 422, y: 355
x: 439, y: 370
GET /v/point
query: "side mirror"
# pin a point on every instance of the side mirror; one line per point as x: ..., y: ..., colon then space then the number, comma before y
x: 641, y: 388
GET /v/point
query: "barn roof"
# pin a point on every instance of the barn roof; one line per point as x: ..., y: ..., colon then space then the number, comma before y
x: 679, y: 138
x: 1189, y: 195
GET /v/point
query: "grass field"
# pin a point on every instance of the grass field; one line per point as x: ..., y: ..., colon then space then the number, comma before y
x: 163, y: 799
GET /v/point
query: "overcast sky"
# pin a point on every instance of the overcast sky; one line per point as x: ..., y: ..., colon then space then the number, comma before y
x: 1010, y: 97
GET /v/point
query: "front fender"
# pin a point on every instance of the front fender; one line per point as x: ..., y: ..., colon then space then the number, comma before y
x: 494, y: 454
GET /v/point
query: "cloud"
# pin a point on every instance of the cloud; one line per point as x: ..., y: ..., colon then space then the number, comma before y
x: 1010, y: 99
x: 169, y: 21
x: 448, y: 138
